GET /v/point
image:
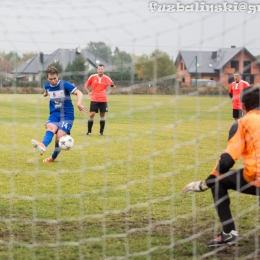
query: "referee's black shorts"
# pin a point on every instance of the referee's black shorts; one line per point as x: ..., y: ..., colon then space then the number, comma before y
x: 237, y: 113
x: 98, y: 106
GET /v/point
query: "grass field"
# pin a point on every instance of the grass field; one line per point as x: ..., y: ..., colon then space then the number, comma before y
x: 118, y: 196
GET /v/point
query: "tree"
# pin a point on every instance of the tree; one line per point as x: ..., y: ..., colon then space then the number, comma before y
x: 2, y: 55
x: 57, y: 65
x: 122, y: 58
x: 100, y: 49
x: 28, y: 55
x: 141, y: 67
x: 161, y: 64
x: 122, y: 61
x: 157, y: 65
x: 5, y: 67
x: 12, y: 56
x: 76, y: 71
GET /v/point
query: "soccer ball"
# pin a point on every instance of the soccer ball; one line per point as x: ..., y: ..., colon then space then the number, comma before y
x: 66, y: 142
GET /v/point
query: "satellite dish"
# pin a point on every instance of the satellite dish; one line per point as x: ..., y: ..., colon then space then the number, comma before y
x: 78, y: 50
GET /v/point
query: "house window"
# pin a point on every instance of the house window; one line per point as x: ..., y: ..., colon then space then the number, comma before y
x: 235, y: 65
x: 182, y: 67
x: 183, y: 80
x: 211, y: 79
x: 249, y: 79
x: 230, y: 78
x: 247, y: 66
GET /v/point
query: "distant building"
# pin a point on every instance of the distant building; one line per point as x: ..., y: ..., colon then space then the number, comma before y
x: 32, y: 69
x: 216, y: 66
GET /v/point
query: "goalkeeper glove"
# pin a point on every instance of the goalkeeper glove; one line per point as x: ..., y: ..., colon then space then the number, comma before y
x: 197, y: 186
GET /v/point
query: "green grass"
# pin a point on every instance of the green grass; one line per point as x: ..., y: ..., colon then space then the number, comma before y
x: 118, y: 196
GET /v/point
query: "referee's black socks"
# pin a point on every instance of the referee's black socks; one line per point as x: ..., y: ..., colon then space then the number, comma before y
x: 102, y: 125
x: 90, y: 124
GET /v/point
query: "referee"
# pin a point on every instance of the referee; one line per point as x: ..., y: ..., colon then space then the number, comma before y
x: 98, y: 96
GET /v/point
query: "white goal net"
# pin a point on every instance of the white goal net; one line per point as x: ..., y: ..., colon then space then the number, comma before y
x: 119, y: 196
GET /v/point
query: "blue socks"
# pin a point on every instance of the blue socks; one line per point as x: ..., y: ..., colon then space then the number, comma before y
x: 56, y: 152
x: 47, y: 138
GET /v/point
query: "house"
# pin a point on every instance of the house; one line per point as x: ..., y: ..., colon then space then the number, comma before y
x: 33, y: 68
x: 206, y: 67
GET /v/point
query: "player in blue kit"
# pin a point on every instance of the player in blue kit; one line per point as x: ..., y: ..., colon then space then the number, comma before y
x: 61, y: 116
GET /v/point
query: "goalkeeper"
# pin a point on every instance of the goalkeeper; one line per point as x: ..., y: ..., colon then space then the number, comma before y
x: 244, y: 140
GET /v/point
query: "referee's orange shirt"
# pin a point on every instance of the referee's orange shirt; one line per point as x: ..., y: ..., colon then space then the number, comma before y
x: 235, y: 89
x: 99, y: 86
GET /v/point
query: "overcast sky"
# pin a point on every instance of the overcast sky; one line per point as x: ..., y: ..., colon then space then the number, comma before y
x: 46, y: 25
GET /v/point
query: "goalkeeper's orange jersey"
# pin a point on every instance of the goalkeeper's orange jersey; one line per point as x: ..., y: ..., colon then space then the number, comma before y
x: 235, y: 89
x: 246, y: 143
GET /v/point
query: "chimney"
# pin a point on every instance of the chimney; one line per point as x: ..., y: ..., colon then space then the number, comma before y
x: 214, y: 55
x: 41, y: 58
x: 78, y: 50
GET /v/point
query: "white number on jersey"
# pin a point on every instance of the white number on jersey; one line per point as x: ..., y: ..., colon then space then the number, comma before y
x: 65, y: 125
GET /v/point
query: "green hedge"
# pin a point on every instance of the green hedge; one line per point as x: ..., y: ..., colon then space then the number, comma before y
x: 30, y: 88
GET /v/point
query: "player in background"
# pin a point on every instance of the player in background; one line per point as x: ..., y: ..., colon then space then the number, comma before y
x: 244, y: 140
x: 98, y: 96
x: 234, y: 92
x: 61, y: 116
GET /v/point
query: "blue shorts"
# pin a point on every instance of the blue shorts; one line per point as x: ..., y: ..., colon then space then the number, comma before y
x: 63, y: 123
